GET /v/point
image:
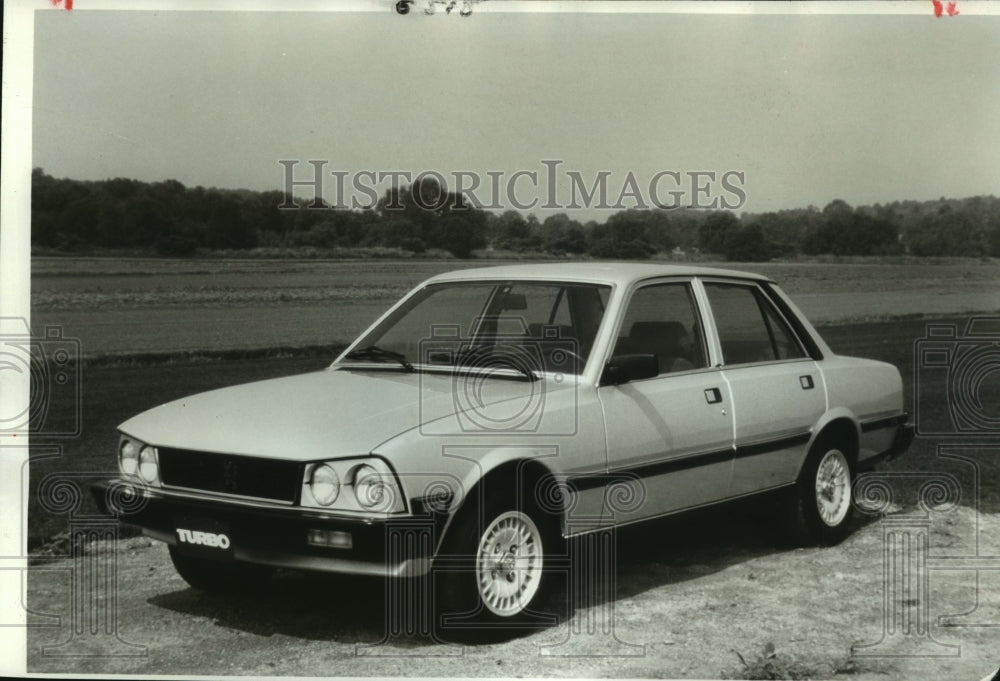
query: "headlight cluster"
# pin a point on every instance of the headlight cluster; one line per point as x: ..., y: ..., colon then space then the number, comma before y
x: 370, y: 484
x: 138, y: 461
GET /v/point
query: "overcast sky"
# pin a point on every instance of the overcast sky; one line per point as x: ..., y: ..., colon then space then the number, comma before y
x: 810, y: 108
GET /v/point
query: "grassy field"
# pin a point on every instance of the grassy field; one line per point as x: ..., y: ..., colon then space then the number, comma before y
x: 121, y: 306
x: 63, y: 283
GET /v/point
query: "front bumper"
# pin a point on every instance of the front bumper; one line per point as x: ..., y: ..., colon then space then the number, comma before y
x: 273, y: 535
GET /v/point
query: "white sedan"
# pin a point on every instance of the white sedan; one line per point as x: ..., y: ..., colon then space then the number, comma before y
x: 494, y: 413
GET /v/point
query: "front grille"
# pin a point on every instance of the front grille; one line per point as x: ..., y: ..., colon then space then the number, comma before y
x: 229, y: 474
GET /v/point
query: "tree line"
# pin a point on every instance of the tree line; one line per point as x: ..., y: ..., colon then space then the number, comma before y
x: 167, y: 218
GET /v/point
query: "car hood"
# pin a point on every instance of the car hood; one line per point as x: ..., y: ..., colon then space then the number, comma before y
x: 330, y: 413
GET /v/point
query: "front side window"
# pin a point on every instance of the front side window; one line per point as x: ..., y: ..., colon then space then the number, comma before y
x: 661, y: 320
x: 750, y: 329
x: 526, y: 326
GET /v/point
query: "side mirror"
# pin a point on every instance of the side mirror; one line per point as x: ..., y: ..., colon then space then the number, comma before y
x: 624, y: 368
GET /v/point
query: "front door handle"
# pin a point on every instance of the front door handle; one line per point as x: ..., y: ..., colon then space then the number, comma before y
x: 713, y: 395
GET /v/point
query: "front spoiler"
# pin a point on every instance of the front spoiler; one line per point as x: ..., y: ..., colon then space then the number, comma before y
x: 276, y: 536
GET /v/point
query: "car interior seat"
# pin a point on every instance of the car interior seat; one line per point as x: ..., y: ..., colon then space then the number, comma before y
x: 664, y: 339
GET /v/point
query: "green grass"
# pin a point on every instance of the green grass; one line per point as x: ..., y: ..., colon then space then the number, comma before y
x: 55, y: 281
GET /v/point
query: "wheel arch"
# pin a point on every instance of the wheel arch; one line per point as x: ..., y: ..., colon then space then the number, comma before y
x: 843, y: 428
x: 505, y: 476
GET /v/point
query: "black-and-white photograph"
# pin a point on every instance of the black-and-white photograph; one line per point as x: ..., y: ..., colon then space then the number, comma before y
x: 496, y: 338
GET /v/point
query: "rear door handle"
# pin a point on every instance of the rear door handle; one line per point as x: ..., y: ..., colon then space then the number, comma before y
x: 806, y: 382
x: 713, y: 395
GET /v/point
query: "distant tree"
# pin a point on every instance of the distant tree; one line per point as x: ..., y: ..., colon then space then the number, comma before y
x: 226, y: 229
x: 846, y: 231
x: 621, y: 250
x: 785, y: 230
x: 179, y: 239
x: 715, y: 231
x: 560, y: 234
x: 144, y: 221
x: 512, y: 232
x: 464, y: 233
x: 574, y: 240
x: 747, y: 244
x: 168, y: 218
x: 439, y: 218
x: 413, y: 244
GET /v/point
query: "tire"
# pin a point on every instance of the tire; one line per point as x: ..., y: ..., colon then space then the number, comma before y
x: 494, y: 575
x: 822, y: 508
x: 218, y: 577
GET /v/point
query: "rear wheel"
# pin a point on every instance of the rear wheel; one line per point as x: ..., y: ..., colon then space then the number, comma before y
x: 823, y: 508
x: 213, y: 576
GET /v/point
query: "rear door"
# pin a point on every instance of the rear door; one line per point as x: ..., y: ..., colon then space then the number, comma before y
x: 777, y: 389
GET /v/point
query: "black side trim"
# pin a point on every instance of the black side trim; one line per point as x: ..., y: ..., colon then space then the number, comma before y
x: 888, y: 422
x: 694, y: 461
x: 686, y: 509
x: 585, y: 482
x: 769, y: 446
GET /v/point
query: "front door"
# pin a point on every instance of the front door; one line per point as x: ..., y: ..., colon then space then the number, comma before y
x: 670, y: 437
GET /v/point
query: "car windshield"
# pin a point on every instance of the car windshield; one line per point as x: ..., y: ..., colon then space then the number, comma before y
x: 524, y: 326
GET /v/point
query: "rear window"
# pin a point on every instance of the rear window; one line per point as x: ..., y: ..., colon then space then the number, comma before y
x: 750, y: 329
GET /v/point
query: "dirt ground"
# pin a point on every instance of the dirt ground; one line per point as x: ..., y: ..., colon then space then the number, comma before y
x: 712, y: 595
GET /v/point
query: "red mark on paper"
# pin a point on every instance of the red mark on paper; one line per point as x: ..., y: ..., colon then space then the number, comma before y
x: 940, y: 8
x: 68, y: 4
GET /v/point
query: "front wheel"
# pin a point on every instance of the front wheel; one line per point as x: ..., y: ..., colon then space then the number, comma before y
x: 494, y: 574
x: 823, y: 508
x: 509, y: 563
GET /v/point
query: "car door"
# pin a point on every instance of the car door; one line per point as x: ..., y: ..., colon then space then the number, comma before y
x: 777, y: 389
x: 670, y: 435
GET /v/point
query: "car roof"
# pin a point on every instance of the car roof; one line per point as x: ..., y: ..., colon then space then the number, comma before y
x: 599, y: 272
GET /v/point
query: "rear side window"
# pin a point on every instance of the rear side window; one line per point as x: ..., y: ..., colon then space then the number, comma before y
x: 750, y: 329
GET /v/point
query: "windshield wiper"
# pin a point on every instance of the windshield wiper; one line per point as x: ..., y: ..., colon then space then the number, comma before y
x: 532, y: 376
x: 377, y: 353
x: 479, y: 358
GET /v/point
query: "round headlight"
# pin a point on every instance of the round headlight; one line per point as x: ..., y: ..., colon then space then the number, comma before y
x: 149, y: 469
x: 324, y: 484
x: 128, y: 457
x: 369, y: 488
